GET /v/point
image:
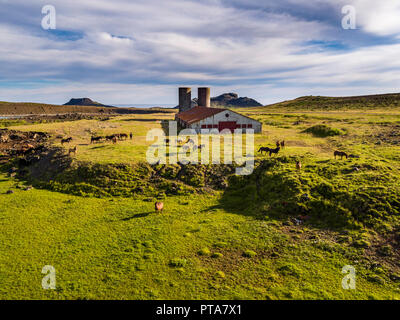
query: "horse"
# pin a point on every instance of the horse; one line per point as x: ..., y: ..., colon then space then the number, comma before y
x: 95, y: 139
x: 114, y: 140
x: 67, y: 140
x: 123, y: 136
x: 72, y: 150
x: 110, y: 138
x: 159, y: 206
x: 264, y: 149
x: 283, y: 144
x: 298, y: 165
x: 131, y: 135
x: 274, y: 151
x: 341, y: 154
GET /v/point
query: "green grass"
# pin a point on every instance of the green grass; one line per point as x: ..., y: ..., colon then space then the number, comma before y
x: 240, y: 243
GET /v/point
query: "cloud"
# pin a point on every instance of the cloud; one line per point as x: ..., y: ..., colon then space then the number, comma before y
x: 269, y: 49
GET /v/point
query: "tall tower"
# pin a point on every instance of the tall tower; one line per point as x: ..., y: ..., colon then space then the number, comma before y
x: 185, y: 99
x: 204, y: 97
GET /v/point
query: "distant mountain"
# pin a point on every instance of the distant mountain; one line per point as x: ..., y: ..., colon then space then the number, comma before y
x: 84, y: 102
x: 230, y: 100
x: 233, y: 100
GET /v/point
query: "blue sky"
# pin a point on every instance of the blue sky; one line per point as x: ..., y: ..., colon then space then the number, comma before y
x: 140, y: 51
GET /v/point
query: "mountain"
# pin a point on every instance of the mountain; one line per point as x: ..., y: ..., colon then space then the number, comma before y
x: 84, y: 102
x: 390, y: 100
x: 230, y: 100
x: 233, y: 100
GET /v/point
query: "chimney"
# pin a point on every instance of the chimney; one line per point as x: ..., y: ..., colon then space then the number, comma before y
x: 185, y: 99
x: 204, y: 97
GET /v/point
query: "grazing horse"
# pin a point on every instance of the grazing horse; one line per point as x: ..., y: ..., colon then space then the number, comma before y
x: 278, y: 144
x: 340, y: 154
x: 72, y: 150
x: 283, y: 144
x: 95, y: 139
x: 264, y: 149
x: 67, y: 140
x: 159, y: 206
x: 275, y: 151
x: 114, y: 140
x: 109, y: 138
x: 123, y: 136
x: 298, y: 165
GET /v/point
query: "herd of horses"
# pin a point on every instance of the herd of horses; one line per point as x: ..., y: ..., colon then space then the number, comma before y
x: 93, y: 139
x: 281, y: 145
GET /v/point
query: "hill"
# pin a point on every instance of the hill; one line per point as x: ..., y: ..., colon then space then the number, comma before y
x: 391, y: 100
x: 84, y: 102
x: 233, y: 100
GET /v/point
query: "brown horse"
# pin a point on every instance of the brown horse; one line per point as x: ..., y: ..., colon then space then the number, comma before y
x: 298, y: 165
x: 159, y: 206
x: 95, y: 139
x: 67, y: 140
x: 340, y: 154
x: 274, y: 151
x: 72, y: 150
x: 264, y: 149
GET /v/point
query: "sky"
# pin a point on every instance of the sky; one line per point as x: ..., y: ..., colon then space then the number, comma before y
x: 141, y: 51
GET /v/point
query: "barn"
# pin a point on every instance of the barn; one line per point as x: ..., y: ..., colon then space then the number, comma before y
x: 205, y: 117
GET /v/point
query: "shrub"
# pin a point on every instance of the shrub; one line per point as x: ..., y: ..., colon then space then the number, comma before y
x: 178, y: 262
x: 249, y: 254
x: 204, y: 252
x: 323, y: 131
x: 217, y: 255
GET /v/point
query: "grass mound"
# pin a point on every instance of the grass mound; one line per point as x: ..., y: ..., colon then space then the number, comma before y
x: 56, y: 171
x: 323, y: 131
x: 328, y: 193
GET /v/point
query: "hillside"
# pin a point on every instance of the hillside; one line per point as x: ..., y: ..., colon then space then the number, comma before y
x: 391, y: 100
x: 29, y: 108
x: 26, y: 108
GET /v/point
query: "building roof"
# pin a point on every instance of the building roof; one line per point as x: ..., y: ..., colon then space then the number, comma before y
x: 198, y: 113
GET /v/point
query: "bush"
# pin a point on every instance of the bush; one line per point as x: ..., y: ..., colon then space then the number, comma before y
x: 249, y: 254
x: 178, y: 262
x: 204, y: 252
x: 323, y: 131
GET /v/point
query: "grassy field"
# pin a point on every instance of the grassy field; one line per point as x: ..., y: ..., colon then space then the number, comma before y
x: 236, y: 243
